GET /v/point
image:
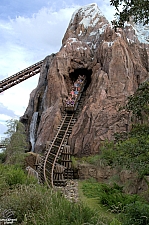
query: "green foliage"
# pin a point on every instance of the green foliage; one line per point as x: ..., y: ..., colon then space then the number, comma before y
x: 138, y: 103
x: 74, y: 161
x: 91, y: 188
x: 15, y: 176
x: 120, y: 136
x: 94, y: 159
x: 138, y: 9
x: 35, y: 204
x: 38, y: 205
x: 109, y: 153
x: 111, y: 196
x: 136, y: 213
x: 2, y: 157
x: 139, y: 130
x: 132, y: 153
x: 12, y: 175
x: 131, y: 150
x: 15, y: 142
x: 115, y: 222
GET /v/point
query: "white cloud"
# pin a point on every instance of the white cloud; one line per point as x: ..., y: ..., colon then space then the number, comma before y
x: 17, y: 97
x: 42, y: 32
x: 107, y: 9
x: 4, y: 117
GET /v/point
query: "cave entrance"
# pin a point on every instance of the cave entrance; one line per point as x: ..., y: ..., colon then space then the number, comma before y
x: 74, y: 76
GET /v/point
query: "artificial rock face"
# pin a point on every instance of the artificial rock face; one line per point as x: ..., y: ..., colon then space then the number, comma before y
x: 114, y: 62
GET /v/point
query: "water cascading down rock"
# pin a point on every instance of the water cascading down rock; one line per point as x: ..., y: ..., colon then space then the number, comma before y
x: 33, y: 125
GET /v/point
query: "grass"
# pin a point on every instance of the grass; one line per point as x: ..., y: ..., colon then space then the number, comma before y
x: 113, y: 205
x: 93, y: 202
x: 40, y: 205
x: 34, y: 204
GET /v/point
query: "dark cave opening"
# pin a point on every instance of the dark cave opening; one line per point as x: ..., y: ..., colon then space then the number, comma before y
x: 74, y: 75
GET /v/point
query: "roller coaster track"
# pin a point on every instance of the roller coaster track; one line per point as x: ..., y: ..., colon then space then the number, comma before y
x: 2, y: 146
x: 55, y: 166
x: 20, y: 76
x: 3, y: 143
x: 57, y: 157
x: 56, y: 149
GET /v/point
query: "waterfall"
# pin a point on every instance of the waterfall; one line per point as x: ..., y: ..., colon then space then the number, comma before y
x: 33, y: 129
x: 44, y: 99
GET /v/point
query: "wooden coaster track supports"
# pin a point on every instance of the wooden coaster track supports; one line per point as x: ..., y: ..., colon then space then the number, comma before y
x: 56, y: 150
x: 56, y: 166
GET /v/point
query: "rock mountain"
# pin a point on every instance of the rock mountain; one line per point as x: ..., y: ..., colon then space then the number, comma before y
x: 114, y: 62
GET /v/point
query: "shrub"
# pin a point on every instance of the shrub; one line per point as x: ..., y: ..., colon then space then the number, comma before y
x: 114, y: 199
x: 38, y: 205
x: 94, y: 159
x: 109, y: 153
x: 15, y: 176
x: 15, y: 142
x: 110, y: 196
x: 115, y: 222
x: 22, y: 200
x: 11, y: 175
x: 131, y: 154
x: 74, y: 162
x: 136, y: 213
x: 138, y: 102
x: 2, y: 157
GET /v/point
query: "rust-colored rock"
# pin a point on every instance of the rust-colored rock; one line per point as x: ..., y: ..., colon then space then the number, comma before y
x: 115, y: 63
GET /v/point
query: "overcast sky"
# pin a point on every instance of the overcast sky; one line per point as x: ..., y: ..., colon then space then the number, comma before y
x: 29, y: 31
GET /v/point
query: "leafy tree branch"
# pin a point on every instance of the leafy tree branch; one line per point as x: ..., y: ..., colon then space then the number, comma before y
x: 137, y: 9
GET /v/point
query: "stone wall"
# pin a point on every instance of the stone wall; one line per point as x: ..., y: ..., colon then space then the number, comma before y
x: 129, y: 180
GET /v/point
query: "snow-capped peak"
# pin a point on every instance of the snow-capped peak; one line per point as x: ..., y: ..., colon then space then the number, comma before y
x: 142, y: 33
x: 89, y: 13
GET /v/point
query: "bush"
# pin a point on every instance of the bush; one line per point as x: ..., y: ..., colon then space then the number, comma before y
x: 22, y: 200
x: 15, y: 176
x: 15, y: 142
x: 2, y: 157
x: 114, y: 199
x: 115, y: 222
x: 11, y: 175
x: 38, y: 205
x: 94, y: 159
x: 131, y: 154
x: 110, y: 196
x: 136, y: 213
x: 109, y: 153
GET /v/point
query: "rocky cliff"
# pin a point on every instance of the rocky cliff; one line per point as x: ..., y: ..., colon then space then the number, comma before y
x: 114, y: 63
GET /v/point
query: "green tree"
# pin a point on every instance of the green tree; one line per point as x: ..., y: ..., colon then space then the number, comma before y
x: 137, y: 9
x: 16, y: 144
x: 138, y: 103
